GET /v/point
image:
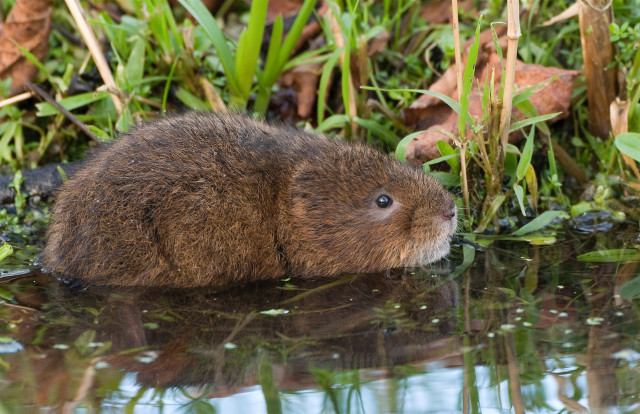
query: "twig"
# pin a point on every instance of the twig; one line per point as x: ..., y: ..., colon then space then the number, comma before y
x: 513, y: 34
x: 427, y: 58
x: 15, y: 99
x: 96, y: 52
x: 514, y: 372
x: 44, y: 95
x: 463, y: 139
x: 456, y: 45
x: 149, y: 102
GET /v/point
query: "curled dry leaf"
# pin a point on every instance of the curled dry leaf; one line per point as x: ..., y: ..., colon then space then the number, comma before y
x: 289, y: 9
x: 432, y: 115
x: 378, y: 43
x: 28, y: 24
x: 303, y: 80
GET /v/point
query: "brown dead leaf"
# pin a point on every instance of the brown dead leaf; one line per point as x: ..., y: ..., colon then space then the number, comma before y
x: 285, y: 8
x: 28, y: 24
x: 555, y: 97
x: 447, y: 83
x: 439, y: 11
x: 378, y: 44
x: 431, y: 114
x: 303, y: 80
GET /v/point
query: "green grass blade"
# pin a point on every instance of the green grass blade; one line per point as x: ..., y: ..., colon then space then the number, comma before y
x: 611, y: 256
x: 171, y: 22
x: 378, y: 130
x: 444, y: 158
x: 346, y: 73
x: 530, y: 121
x: 468, y: 257
x: 134, y: 68
x: 541, y: 221
x: 7, y: 136
x: 527, y: 153
x: 327, y: 69
x: 527, y: 93
x: 291, y: 40
x: 401, y: 148
x: 447, y: 180
x: 493, y: 209
x: 274, y: 48
x: 334, y: 121
x: 446, y: 149
x: 33, y: 59
x: 249, y: 47
x: 467, y: 83
x: 206, y: 20
x: 5, y: 251
x: 158, y: 25
x: 167, y: 85
x: 519, y: 192
x: 71, y: 102
x: 191, y: 100
x: 452, y: 103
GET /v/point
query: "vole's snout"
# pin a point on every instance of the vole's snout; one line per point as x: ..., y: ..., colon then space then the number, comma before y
x: 449, y: 213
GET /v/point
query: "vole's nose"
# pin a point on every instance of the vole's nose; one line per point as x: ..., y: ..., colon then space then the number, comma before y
x: 449, y: 213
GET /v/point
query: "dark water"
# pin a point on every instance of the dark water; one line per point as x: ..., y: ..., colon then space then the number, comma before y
x: 524, y: 328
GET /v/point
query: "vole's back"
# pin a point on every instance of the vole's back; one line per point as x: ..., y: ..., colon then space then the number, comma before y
x: 180, y: 201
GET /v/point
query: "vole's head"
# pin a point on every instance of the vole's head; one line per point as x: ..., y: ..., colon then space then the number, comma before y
x: 358, y: 210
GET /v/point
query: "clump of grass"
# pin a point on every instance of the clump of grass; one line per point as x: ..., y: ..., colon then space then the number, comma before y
x: 161, y: 62
x: 241, y: 70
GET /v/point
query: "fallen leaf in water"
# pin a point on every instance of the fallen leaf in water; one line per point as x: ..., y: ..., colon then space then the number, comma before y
x: 28, y: 24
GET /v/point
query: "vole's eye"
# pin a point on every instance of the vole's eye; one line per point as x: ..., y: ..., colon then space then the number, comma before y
x: 384, y: 201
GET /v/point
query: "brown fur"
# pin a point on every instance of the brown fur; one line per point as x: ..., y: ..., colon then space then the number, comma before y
x: 221, y: 199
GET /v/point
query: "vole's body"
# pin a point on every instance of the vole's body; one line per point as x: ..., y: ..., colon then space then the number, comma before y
x: 218, y: 199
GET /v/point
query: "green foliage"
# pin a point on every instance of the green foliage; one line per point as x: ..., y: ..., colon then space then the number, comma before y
x: 5, y: 250
x: 19, y: 199
x: 629, y: 143
x: 625, y: 37
x: 163, y: 62
x: 240, y: 71
x: 611, y: 256
x: 630, y: 289
x: 541, y: 221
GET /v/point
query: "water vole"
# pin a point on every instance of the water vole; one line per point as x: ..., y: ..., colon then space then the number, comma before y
x: 219, y: 199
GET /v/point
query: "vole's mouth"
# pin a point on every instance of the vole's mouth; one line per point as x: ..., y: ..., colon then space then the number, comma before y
x: 429, y: 254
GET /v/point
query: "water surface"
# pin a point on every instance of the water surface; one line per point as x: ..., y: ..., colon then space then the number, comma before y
x: 524, y: 328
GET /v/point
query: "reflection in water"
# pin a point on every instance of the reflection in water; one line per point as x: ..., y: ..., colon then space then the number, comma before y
x: 524, y: 329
